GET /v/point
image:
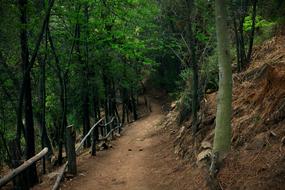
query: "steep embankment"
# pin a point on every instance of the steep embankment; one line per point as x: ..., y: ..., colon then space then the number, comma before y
x: 257, y: 159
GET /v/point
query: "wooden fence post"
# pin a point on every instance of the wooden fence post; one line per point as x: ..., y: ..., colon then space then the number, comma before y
x: 71, y: 154
x: 95, y: 136
x: 112, y: 126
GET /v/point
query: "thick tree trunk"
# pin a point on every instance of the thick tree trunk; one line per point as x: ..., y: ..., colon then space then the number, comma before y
x: 71, y: 154
x: 63, y: 123
x: 222, y: 139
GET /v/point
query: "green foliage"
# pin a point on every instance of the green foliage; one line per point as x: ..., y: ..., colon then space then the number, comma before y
x: 210, y: 73
x: 120, y: 44
x: 185, y: 101
x: 260, y: 23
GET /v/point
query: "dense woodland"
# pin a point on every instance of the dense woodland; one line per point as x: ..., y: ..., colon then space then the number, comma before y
x: 74, y: 62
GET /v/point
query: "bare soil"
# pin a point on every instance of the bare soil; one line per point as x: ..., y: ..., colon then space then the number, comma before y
x: 141, y: 159
x: 257, y: 157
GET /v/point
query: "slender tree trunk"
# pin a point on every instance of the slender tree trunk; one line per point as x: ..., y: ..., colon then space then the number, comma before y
x: 195, y: 76
x: 123, y: 106
x: 133, y: 105
x: 28, y: 109
x: 222, y: 139
x: 42, y: 114
x: 241, y: 43
x: 63, y: 99
x: 95, y: 134
x: 251, y: 37
x: 85, y: 72
x: 239, y: 66
x: 85, y: 100
x: 6, y: 148
x: 45, y: 141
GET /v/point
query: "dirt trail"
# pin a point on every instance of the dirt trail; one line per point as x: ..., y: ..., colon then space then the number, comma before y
x: 141, y: 159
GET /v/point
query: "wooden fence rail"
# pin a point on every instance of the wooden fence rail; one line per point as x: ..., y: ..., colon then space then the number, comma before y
x: 4, y: 180
x: 59, y: 177
x: 64, y: 167
x: 87, y: 135
x: 111, y: 132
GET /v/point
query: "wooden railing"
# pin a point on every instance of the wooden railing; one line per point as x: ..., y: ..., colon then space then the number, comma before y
x: 88, y: 134
x: 4, y: 180
x: 72, y: 152
x: 71, y: 163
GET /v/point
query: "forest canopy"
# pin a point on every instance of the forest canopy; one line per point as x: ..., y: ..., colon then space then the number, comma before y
x: 73, y: 62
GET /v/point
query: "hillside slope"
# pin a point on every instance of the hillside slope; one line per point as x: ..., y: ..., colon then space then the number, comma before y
x: 257, y: 159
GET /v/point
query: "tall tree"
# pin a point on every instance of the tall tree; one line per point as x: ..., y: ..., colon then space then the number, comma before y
x: 195, y: 75
x: 222, y: 139
x: 28, y: 108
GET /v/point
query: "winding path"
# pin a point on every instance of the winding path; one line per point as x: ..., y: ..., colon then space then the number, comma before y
x: 141, y: 159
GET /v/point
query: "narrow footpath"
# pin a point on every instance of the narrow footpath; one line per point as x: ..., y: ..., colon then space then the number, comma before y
x: 141, y: 159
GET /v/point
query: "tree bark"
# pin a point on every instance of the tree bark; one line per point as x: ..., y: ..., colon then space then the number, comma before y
x: 85, y: 72
x: 133, y: 105
x: 63, y: 99
x: 239, y: 66
x: 28, y: 108
x: 222, y: 139
x: 195, y: 75
x: 251, y: 37
x: 71, y: 154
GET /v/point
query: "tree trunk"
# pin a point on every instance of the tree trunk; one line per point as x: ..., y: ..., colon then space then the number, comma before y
x: 251, y: 37
x: 95, y: 133
x: 28, y: 109
x: 85, y: 72
x: 133, y: 105
x: 45, y: 141
x: 63, y: 99
x: 21, y: 180
x: 63, y: 123
x: 239, y: 66
x: 222, y: 139
x: 71, y: 154
x: 241, y: 43
x: 192, y: 45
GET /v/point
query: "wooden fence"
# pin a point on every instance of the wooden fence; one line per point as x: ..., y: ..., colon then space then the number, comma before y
x: 107, y: 130
x: 4, y: 180
x: 112, y: 125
